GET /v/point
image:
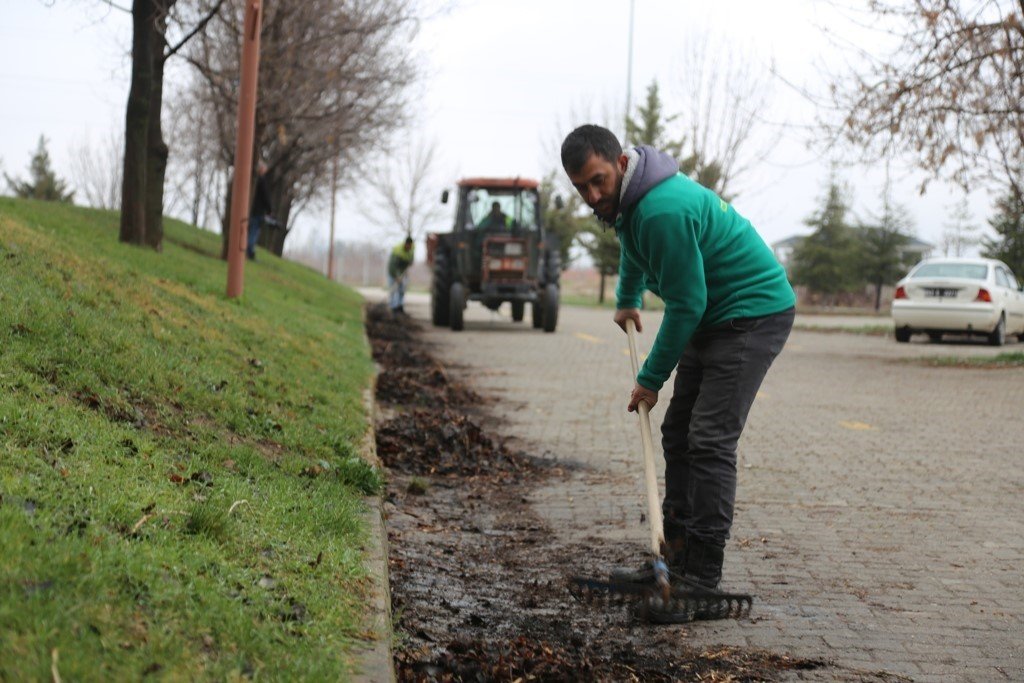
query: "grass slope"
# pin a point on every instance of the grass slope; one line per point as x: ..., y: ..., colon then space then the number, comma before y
x: 138, y: 406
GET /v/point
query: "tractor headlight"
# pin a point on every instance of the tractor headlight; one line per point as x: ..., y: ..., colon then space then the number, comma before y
x: 495, y: 264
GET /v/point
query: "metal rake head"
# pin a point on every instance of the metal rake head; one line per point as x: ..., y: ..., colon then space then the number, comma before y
x: 647, y: 602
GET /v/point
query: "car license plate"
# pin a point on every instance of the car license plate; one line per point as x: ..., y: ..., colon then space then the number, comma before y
x: 941, y: 292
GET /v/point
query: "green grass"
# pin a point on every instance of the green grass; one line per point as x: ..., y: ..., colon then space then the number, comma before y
x: 1014, y: 359
x: 869, y: 330
x: 180, y: 483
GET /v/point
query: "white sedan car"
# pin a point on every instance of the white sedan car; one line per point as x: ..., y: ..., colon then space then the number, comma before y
x: 959, y: 296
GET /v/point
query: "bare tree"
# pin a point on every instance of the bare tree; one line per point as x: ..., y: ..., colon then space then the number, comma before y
x: 145, y: 152
x: 195, y: 178
x: 334, y: 78
x: 960, y: 231
x: 96, y: 170
x: 950, y: 95
x: 724, y: 96
x: 403, y: 190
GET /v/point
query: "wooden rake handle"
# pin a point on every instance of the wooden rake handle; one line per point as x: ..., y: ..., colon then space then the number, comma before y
x: 657, y: 525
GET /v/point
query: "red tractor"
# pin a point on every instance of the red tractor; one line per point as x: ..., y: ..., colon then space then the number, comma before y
x: 497, y: 252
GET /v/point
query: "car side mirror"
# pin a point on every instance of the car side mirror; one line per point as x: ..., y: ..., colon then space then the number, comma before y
x: 444, y: 197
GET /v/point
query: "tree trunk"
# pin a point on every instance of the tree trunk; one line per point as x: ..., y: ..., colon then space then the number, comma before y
x: 225, y: 219
x: 133, y: 187
x: 600, y: 290
x: 878, y: 296
x: 156, y: 148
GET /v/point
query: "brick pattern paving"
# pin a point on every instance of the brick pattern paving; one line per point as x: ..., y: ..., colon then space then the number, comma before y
x: 880, y: 515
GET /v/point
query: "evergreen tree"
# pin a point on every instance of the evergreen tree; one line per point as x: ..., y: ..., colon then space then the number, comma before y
x: 827, y: 260
x: 603, y: 248
x: 651, y: 128
x: 566, y: 220
x: 651, y: 125
x: 43, y: 183
x: 881, y: 246
x: 1008, y: 222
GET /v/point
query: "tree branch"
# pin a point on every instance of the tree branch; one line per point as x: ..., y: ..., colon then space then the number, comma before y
x: 198, y: 27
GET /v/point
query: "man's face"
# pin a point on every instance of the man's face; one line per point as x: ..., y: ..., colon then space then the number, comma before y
x: 599, y: 182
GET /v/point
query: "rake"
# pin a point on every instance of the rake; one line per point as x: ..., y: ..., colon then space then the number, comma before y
x: 672, y: 598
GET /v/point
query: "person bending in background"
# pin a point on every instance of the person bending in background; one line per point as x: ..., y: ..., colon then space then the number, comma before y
x: 398, y: 265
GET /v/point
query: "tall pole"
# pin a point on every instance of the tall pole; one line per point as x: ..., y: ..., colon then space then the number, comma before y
x: 334, y: 195
x: 239, y: 225
x: 629, y: 76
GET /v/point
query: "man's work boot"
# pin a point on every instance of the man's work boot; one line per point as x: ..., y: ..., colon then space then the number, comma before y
x: 675, y: 558
x: 703, y: 573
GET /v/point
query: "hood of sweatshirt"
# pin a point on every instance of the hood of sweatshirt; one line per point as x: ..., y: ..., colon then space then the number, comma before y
x: 646, y: 168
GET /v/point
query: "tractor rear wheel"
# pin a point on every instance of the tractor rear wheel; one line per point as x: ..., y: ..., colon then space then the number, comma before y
x: 439, y: 291
x: 518, y: 311
x: 550, y: 307
x: 456, y: 305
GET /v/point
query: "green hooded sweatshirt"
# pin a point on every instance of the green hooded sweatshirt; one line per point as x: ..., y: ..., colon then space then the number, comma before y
x: 683, y: 243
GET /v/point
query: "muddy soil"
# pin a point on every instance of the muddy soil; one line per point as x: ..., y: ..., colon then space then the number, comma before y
x: 478, y: 581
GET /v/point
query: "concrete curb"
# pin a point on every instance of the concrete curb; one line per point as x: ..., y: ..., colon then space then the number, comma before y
x: 375, y: 661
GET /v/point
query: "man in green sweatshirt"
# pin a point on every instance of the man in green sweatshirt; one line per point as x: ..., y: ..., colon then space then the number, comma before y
x: 728, y: 312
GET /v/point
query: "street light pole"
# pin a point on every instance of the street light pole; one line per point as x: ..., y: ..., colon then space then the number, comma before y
x: 238, y: 226
x: 334, y: 195
x: 629, y: 75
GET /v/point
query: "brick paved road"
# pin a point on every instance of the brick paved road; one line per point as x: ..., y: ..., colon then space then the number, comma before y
x: 880, y: 516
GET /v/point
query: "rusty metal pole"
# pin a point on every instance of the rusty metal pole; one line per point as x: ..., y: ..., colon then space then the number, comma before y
x: 239, y: 223
x: 334, y: 194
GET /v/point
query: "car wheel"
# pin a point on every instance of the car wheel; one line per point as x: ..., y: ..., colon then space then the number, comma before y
x: 998, y: 335
x: 902, y: 335
x: 935, y: 337
x: 456, y: 305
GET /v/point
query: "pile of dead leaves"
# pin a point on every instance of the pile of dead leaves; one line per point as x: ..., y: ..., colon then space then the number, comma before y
x: 524, y: 659
x: 444, y: 443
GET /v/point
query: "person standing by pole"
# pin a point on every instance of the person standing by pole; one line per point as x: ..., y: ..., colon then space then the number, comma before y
x: 261, y: 208
x: 398, y: 265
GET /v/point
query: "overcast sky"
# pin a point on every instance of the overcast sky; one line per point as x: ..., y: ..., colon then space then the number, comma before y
x: 503, y: 80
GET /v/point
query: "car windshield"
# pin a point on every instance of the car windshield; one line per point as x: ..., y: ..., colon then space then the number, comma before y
x: 966, y: 271
x: 495, y: 208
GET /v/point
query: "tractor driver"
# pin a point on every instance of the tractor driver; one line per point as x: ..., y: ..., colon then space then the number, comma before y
x: 495, y: 220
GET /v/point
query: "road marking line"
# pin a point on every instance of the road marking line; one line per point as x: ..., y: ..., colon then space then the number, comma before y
x: 643, y: 356
x: 856, y: 426
x: 588, y: 337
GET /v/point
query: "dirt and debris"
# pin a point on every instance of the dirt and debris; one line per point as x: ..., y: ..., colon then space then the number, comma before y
x: 478, y: 581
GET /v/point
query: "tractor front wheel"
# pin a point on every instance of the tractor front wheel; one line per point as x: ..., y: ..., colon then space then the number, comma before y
x: 550, y: 308
x: 518, y: 311
x: 439, y: 291
x: 456, y: 305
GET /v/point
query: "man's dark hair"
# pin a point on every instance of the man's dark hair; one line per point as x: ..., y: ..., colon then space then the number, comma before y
x: 408, y: 241
x: 586, y: 140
